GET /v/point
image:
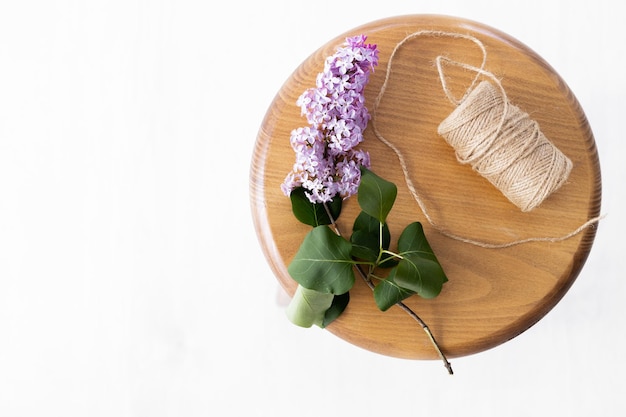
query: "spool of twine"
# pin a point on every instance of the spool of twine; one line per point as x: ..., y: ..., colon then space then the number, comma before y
x: 505, y: 146
x: 498, y: 139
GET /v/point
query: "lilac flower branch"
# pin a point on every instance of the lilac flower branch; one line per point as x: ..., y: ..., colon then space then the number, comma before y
x: 330, y: 168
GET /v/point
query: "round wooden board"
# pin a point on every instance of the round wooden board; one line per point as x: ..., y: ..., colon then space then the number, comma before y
x: 492, y: 294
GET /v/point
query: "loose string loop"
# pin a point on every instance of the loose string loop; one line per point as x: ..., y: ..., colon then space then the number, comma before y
x: 500, y: 149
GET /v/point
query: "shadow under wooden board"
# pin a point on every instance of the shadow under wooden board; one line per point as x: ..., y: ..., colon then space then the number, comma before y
x: 492, y: 294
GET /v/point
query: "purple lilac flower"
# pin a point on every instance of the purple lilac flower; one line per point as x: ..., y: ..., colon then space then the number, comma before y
x: 327, y: 162
x: 348, y: 170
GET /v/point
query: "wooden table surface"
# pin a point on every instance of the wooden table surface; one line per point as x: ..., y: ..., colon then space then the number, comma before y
x: 492, y: 294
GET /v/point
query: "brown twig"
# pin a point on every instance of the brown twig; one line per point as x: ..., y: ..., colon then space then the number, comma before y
x: 332, y: 219
x: 417, y: 318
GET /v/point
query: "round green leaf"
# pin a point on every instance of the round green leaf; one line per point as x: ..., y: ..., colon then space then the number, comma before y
x: 376, y: 195
x: 308, y: 307
x: 364, y: 246
x: 366, y: 239
x: 339, y: 304
x: 421, y: 275
x: 323, y: 263
x: 313, y: 214
x: 388, y: 293
x: 419, y: 270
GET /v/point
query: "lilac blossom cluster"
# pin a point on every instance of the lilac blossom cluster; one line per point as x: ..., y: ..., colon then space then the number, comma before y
x: 327, y: 162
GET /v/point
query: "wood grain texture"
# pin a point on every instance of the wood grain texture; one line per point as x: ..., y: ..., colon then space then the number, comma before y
x: 492, y: 294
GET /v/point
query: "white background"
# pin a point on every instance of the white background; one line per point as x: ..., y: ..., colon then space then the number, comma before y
x: 131, y: 279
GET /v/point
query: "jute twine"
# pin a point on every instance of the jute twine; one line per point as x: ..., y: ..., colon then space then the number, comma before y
x: 504, y: 145
x: 500, y: 141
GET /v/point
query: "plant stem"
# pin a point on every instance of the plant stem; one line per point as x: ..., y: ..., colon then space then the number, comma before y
x: 400, y: 304
x: 442, y: 356
x: 395, y: 255
x: 332, y: 219
x: 417, y: 318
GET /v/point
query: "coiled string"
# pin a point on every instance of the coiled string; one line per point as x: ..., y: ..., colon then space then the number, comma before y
x: 496, y: 138
x: 506, y: 147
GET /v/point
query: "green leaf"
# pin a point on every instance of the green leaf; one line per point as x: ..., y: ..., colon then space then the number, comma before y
x: 365, y: 222
x: 323, y: 263
x: 366, y: 237
x: 419, y: 270
x: 376, y: 195
x: 313, y: 214
x: 388, y: 293
x: 420, y: 275
x: 364, y: 246
x: 340, y: 302
x: 308, y: 307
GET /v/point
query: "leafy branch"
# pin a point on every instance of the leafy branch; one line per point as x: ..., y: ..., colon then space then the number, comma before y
x: 325, y: 262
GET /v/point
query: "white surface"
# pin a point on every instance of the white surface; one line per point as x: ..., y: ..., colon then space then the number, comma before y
x: 131, y: 280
